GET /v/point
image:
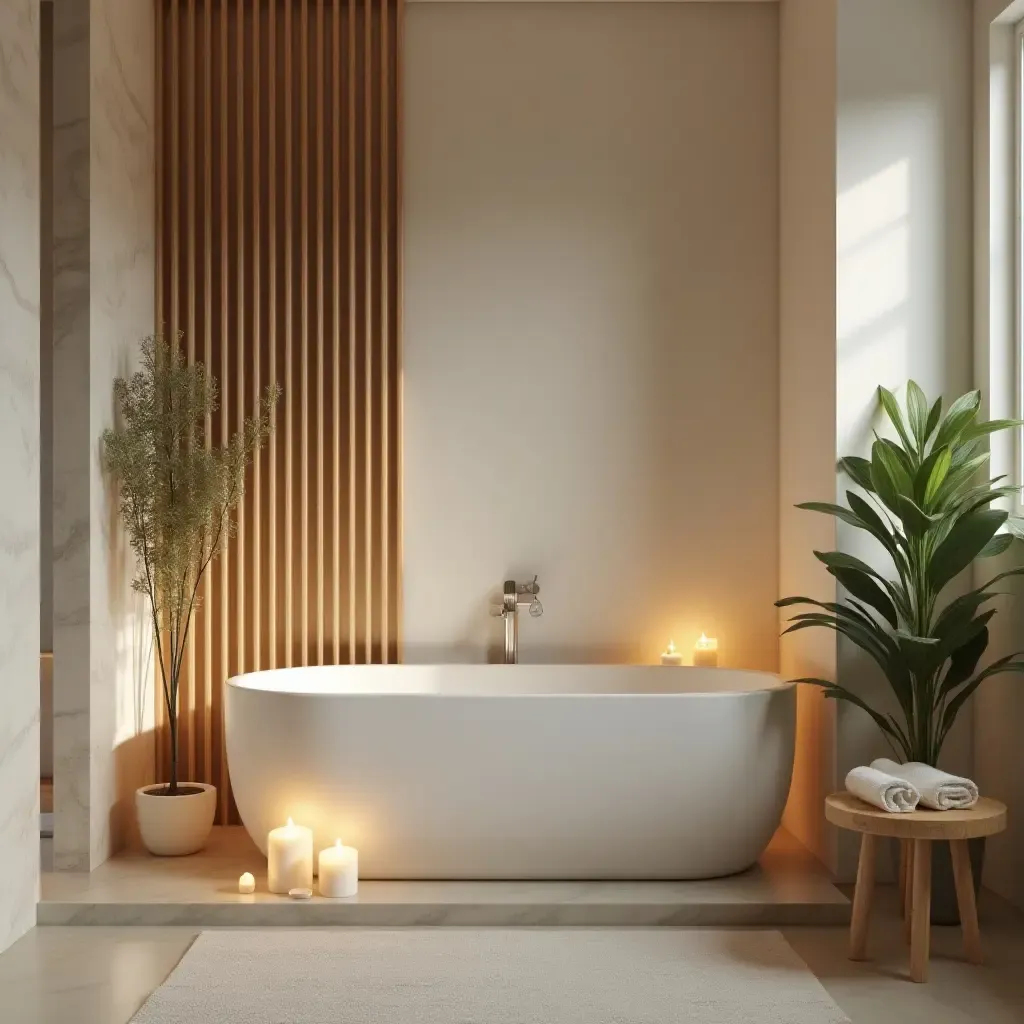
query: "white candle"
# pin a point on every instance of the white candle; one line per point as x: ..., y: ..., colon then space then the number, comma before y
x: 338, y: 871
x: 246, y: 884
x: 705, y: 652
x: 670, y: 656
x: 289, y: 858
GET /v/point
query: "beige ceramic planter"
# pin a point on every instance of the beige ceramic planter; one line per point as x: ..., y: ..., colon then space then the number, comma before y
x: 173, y: 826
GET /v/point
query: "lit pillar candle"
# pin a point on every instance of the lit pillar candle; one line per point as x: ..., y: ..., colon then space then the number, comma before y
x: 705, y: 652
x: 338, y: 871
x: 670, y: 656
x: 289, y: 858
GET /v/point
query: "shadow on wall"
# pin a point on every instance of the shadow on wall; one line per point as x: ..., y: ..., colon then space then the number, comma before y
x: 133, y: 767
x: 133, y: 738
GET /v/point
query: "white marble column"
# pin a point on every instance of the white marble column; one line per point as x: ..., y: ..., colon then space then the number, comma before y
x: 104, y: 177
x: 19, y: 467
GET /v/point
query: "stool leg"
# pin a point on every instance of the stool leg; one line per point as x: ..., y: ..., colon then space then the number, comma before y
x: 908, y: 895
x: 920, y: 928
x: 862, y: 898
x: 903, y: 873
x: 965, y: 899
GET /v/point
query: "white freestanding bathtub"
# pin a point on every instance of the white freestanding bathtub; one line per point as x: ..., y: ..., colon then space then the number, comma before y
x: 517, y: 772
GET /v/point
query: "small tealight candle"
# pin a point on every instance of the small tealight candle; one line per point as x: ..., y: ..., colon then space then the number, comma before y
x: 670, y: 656
x: 247, y: 884
x: 705, y: 652
x: 338, y: 871
x: 289, y: 858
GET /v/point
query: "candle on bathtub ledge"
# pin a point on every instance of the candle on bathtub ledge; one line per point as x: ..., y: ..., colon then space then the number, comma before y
x: 289, y: 858
x: 670, y: 656
x: 246, y: 884
x: 338, y: 871
x: 705, y: 652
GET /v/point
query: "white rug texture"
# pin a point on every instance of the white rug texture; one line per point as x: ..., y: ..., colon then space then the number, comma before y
x: 490, y: 976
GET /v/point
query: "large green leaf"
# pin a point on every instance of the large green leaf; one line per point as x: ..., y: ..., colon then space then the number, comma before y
x: 852, y: 611
x: 873, y: 521
x: 991, y: 427
x: 933, y: 474
x: 904, y: 458
x: 958, y: 478
x: 859, y: 579
x: 892, y: 410
x: 963, y: 662
x: 960, y: 415
x: 964, y: 451
x: 884, y: 457
x: 959, y: 633
x: 960, y: 611
x: 934, y: 415
x: 997, y: 545
x: 965, y: 542
x: 827, y: 508
x: 864, y: 639
x: 917, y: 413
x: 858, y: 470
x: 915, y: 521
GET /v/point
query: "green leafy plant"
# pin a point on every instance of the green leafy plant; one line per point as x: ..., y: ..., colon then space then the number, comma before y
x: 923, y: 502
x: 176, y: 493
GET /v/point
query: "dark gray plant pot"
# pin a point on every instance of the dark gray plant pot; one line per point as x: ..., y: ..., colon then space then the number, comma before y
x: 944, y: 906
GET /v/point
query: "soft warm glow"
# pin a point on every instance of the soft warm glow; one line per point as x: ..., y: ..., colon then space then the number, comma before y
x: 706, y: 643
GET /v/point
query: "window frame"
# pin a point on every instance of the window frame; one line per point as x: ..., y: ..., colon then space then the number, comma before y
x: 1018, y: 260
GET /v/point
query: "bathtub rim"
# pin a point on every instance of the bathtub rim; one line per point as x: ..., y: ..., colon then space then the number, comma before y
x: 771, y: 682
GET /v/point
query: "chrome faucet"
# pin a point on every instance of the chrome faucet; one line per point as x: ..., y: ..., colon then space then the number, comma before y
x: 515, y: 596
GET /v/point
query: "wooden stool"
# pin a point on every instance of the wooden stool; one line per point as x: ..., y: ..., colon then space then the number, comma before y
x: 916, y: 832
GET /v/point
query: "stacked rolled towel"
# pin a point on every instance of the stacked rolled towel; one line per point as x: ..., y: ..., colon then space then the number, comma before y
x: 882, y: 790
x: 939, y: 790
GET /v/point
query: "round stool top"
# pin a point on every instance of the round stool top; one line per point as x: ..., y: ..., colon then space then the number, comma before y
x: 985, y: 818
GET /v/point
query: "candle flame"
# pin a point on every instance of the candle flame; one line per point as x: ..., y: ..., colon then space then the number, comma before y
x: 703, y: 638
x: 337, y: 843
x: 291, y: 824
x: 671, y: 647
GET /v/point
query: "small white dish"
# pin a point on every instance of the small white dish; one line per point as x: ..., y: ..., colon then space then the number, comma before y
x: 300, y: 894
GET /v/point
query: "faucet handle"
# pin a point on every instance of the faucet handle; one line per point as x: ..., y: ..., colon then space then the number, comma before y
x: 530, y: 588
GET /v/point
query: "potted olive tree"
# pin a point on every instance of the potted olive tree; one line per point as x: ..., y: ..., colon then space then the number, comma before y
x: 927, y: 501
x: 177, y: 494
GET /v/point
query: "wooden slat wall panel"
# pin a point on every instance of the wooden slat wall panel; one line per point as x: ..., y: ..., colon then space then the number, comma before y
x: 279, y: 218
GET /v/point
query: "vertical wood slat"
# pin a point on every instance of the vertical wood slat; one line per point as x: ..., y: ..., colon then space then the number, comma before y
x: 298, y: 285
x: 289, y: 379
x: 303, y: 163
x: 319, y: 205
x: 225, y: 265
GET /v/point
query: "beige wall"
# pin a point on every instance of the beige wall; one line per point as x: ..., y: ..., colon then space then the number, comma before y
x: 19, y: 467
x: 591, y: 327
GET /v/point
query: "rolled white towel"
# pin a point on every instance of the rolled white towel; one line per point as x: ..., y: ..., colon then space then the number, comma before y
x: 882, y: 790
x: 939, y: 790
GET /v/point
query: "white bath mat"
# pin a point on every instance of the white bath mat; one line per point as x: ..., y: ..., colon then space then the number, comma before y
x: 491, y: 976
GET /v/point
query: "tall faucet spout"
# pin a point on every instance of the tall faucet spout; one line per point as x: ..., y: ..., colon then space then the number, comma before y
x: 510, y: 610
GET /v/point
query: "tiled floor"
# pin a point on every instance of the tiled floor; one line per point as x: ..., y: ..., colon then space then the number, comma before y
x: 787, y: 887
x: 101, y: 975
